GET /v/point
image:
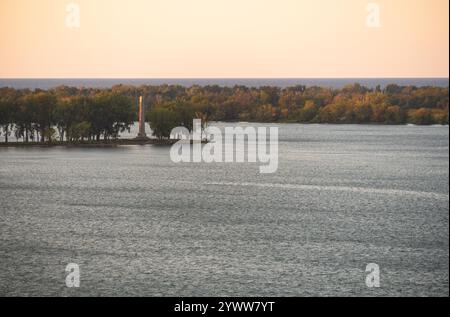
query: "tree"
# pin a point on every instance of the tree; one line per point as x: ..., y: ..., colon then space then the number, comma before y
x: 440, y: 116
x: 394, y: 115
x: 308, y: 112
x: 24, y: 118
x: 79, y: 131
x: 49, y: 134
x: 186, y: 113
x: 110, y: 113
x: 265, y: 113
x: 63, y: 116
x: 43, y: 104
x: 334, y: 113
x: 162, y: 121
x: 7, y: 111
x: 205, y: 122
x: 362, y: 112
x: 421, y: 116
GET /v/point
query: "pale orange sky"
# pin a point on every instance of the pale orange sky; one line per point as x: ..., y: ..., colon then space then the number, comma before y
x: 224, y: 38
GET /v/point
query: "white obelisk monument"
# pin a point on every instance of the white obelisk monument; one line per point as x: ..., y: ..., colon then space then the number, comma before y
x: 142, y: 134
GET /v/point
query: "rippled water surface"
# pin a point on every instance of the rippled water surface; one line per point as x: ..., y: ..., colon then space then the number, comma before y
x: 138, y: 224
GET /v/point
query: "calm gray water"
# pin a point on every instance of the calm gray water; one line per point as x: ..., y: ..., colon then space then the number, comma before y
x: 228, y: 82
x: 137, y: 224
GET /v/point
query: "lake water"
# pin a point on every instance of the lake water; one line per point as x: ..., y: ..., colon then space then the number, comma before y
x: 344, y: 196
x: 228, y: 82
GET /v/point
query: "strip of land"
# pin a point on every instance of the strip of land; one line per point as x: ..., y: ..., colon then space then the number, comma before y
x: 95, y: 144
x: 75, y: 115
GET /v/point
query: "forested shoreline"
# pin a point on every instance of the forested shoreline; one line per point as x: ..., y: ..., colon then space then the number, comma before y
x: 76, y: 114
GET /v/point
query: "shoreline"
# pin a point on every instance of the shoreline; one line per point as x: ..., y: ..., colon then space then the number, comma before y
x: 92, y: 144
x: 169, y: 142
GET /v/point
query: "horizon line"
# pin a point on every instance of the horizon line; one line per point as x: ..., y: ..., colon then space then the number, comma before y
x: 118, y: 78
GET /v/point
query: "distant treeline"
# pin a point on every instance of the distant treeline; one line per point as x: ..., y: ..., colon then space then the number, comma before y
x: 94, y: 114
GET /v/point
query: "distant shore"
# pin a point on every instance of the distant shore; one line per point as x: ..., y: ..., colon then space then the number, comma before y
x: 99, y: 144
x: 105, y: 83
x: 93, y: 144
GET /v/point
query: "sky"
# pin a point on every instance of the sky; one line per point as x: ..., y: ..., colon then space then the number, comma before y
x: 223, y: 38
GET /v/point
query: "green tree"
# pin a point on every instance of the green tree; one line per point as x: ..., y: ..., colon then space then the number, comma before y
x: 7, y: 115
x: 186, y: 114
x: 49, y: 134
x: 79, y: 131
x: 24, y: 118
x: 110, y: 113
x: 162, y: 121
x: 42, y: 104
